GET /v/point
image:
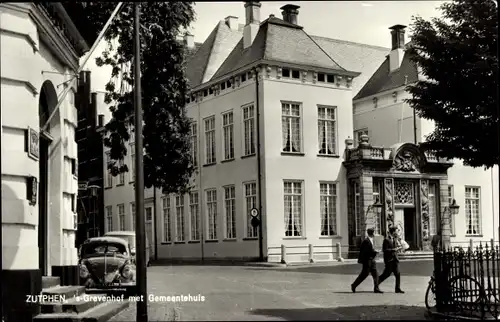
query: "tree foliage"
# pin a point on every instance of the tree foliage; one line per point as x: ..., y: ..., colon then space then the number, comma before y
x: 167, y: 159
x: 457, y: 54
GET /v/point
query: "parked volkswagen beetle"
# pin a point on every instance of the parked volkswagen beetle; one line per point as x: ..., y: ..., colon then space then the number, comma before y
x: 106, y: 263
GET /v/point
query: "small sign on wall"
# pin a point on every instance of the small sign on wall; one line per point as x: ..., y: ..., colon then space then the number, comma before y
x: 32, y: 186
x: 33, y: 139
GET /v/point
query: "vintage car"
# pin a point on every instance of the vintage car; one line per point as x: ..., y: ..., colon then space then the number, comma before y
x: 106, y: 263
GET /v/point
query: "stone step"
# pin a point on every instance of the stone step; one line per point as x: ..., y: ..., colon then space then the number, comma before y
x: 66, y: 291
x: 99, y: 313
x: 72, y: 305
x: 50, y: 281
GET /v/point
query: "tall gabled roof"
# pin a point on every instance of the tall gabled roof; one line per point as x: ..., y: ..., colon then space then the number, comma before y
x: 384, y: 80
x: 278, y: 40
x: 211, y: 54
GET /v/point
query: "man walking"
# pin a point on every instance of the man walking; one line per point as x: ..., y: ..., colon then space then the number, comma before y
x: 366, y: 257
x: 390, y: 248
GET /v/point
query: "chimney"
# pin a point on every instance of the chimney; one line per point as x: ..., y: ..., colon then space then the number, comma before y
x: 232, y: 22
x: 398, y: 43
x: 252, y: 15
x: 189, y: 40
x: 290, y: 13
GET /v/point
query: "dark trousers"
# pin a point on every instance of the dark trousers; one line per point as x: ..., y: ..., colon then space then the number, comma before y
x: 391, y: 268
x: 369, y: 268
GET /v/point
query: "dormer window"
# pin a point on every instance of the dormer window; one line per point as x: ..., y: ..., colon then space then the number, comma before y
x: 205, y: 93
x: 321, y: 77
x: 375, y: 102
x: 330, y: 78
x: 243, y: 77
x: 222, y: 86
x: 210, y: 91
x: 192, y: 97
x: 295, y: 74
x: 285, y: 72
x: 188, y: 100
x: 228, y: 84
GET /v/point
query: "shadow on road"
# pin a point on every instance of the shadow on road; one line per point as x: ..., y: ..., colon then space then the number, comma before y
x: 408, y: 268
x: 375, y: 312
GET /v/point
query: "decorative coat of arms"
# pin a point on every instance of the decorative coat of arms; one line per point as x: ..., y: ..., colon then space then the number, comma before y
x: 406, y: 162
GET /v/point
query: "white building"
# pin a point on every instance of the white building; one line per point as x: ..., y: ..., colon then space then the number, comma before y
x: 272, y: 108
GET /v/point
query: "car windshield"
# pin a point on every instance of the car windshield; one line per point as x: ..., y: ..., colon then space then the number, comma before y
x: 129, y: 238
x: 103, y: 248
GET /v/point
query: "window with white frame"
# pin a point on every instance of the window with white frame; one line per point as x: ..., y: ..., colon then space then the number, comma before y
x: 132, y: 162
x: 358, y: 210
x: 179, y: 218
x: 212, y: 213
x: 194, y: 143
x: 451, y: 196
x: 109, y: 176
x: 228, y: 135
x: 109, y: 218
x: 121, y: 217
x: 357, y: 136
x: 376, y: 215
x: 291, y: 129
x: 167, y: 219
x: 132, y: 212
x: 194, y: 214
x: 210, y: 140
x: 327, y: 130
x: 472, y: 210
x: 328, y: 208
x: 229, y: 212
x: 293, y: 208
x: 121, y: 176
x: 249, y: 130
x: 250, y: 203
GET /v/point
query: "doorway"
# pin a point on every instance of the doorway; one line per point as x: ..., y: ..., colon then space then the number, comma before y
x: 42, y: 204
x: 410, y: 227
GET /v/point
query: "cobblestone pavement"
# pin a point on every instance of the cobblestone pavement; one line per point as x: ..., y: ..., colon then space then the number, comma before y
x: 240, y: 293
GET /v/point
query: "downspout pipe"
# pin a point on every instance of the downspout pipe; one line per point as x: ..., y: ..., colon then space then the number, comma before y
x: 259, y: 163
x: 156, y: 223
x: 201, y: 209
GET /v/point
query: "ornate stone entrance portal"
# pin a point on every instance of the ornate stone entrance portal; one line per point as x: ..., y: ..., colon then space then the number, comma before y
x: 411, y: 185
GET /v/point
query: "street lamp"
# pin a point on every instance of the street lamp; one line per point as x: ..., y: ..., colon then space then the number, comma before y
x: 376, y: 207
x: 452, y: 210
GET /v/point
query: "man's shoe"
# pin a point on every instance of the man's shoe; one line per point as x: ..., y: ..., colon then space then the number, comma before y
x: 353, y: 288
x: 377, y: 291
x: 400, y: 291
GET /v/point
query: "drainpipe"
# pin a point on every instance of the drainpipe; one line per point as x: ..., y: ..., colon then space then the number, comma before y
x: 259, y: 166
x: 155, y: 222
x: 200, y: 190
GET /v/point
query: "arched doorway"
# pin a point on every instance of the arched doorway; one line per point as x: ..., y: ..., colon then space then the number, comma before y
x: 46, y: 105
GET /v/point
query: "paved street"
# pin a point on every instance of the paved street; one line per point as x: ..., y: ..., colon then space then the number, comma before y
x: 303, y: 293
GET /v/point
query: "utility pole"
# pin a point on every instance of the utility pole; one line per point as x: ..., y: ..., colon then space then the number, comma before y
x: 140, y: 236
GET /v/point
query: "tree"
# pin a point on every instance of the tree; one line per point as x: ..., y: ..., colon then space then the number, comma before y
x: 457, y: 55
x: 167, y: 158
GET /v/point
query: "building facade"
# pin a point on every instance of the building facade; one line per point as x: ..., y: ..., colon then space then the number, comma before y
x: 272, y: 134
x: 39, y: 152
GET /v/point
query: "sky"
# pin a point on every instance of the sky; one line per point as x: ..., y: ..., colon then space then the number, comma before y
x: 364, y: 22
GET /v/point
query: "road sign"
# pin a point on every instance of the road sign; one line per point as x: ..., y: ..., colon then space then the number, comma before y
x: 254, y: 212
x: 82, y: 185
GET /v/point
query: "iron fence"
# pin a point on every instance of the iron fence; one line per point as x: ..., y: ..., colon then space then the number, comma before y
x: 467, y: 282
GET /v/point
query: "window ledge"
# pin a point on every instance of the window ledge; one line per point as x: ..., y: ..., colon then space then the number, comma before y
x: 108, y: 187
x: 330, y: 237
x: 471, y: 235
x: 248, y: 156
x: 230, y: 240
x: 209, y: 164
x: 335, y: 156
x: 120, y: 184
x: 179, y: 242
x: 299, y: 154
x: 211, y: 241
x: 131, y: 182
x: 227, y: 160
x: 251, y: 238
x: 193, y: 242
x: 295, y: 237
x: 166, y: 243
